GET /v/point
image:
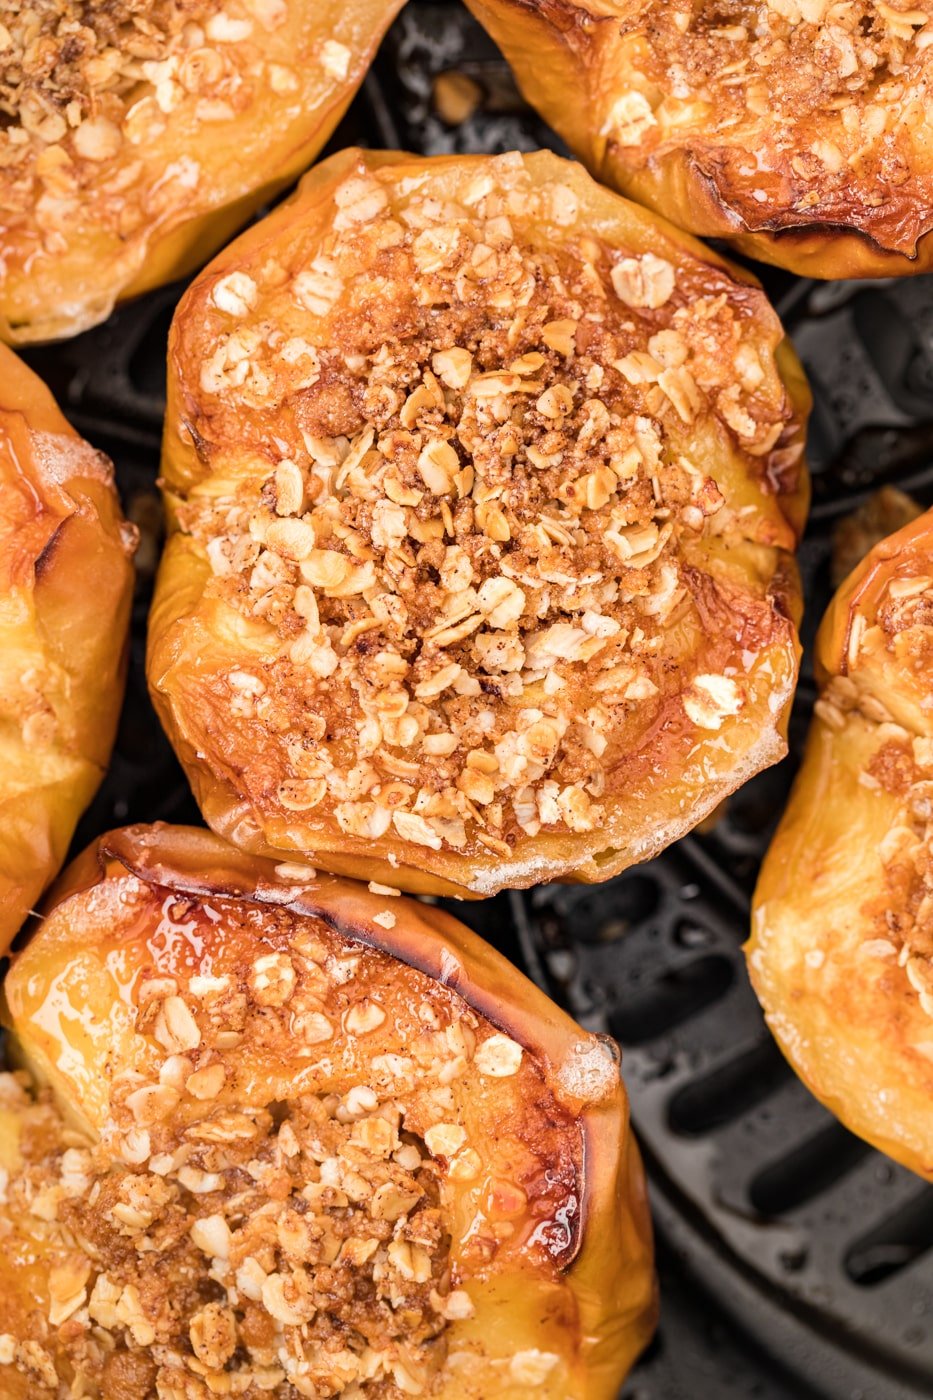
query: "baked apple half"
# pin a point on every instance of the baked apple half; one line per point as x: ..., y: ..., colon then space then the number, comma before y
x: 136, y: 138
x: 841, y: 953
x: 294, y: 1137
x: 799, y: 130
x: 66, y: 584
x: 483, y: 486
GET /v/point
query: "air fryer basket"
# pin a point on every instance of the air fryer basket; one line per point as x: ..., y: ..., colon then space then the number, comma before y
x: 795, y: 1261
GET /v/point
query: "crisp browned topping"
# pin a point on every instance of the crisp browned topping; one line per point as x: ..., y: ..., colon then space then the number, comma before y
x: 84, y: 83
x: 903, y: 930
x: 74, y: 79
x: 814, y: 107
x: 315, y: 1151
x: 474, y: 530
x: 57, y: 53
x: 906, y: 618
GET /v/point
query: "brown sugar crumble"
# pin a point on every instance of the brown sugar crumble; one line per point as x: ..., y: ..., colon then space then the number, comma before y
x: 800, y: 110
x: 313, y: 1239
x: 88, y: 87
x: 472, y: 531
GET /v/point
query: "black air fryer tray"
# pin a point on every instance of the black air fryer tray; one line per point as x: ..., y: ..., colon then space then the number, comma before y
x: 795, y: 1262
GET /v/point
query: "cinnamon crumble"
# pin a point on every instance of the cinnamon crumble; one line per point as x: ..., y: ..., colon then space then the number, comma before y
x: 310, y: 1150
x: 89, y: 87
x: 464, y: 467
x: 799, y: 111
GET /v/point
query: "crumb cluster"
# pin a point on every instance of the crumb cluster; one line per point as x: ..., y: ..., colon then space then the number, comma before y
x: 813, y: 106
x: 459, y: 458
x: 88, y: 87
x: 295, y: 1182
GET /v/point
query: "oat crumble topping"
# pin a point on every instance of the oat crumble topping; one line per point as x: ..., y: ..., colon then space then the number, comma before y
x: 476, y: 532
x: 270, y: 1208
x: 801, y: 110
x: 88, y: 87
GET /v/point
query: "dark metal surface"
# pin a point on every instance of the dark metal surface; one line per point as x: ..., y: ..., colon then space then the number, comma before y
x: 795, y: 1262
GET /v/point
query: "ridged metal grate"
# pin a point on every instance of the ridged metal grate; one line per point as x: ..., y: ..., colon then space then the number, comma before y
x: 795, y: 1262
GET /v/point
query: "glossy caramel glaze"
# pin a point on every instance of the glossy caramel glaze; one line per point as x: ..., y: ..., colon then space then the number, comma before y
x: 316, y: 1138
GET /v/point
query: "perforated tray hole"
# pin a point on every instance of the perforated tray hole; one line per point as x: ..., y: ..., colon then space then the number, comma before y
x: 895, y: 1243
x: 636, y: 901
x: 689, y: 934
x: 806, y: 1171
x: 727, y: 1091
x: 918, y: 377
x: 672, y: 999
x: 851, y: 387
